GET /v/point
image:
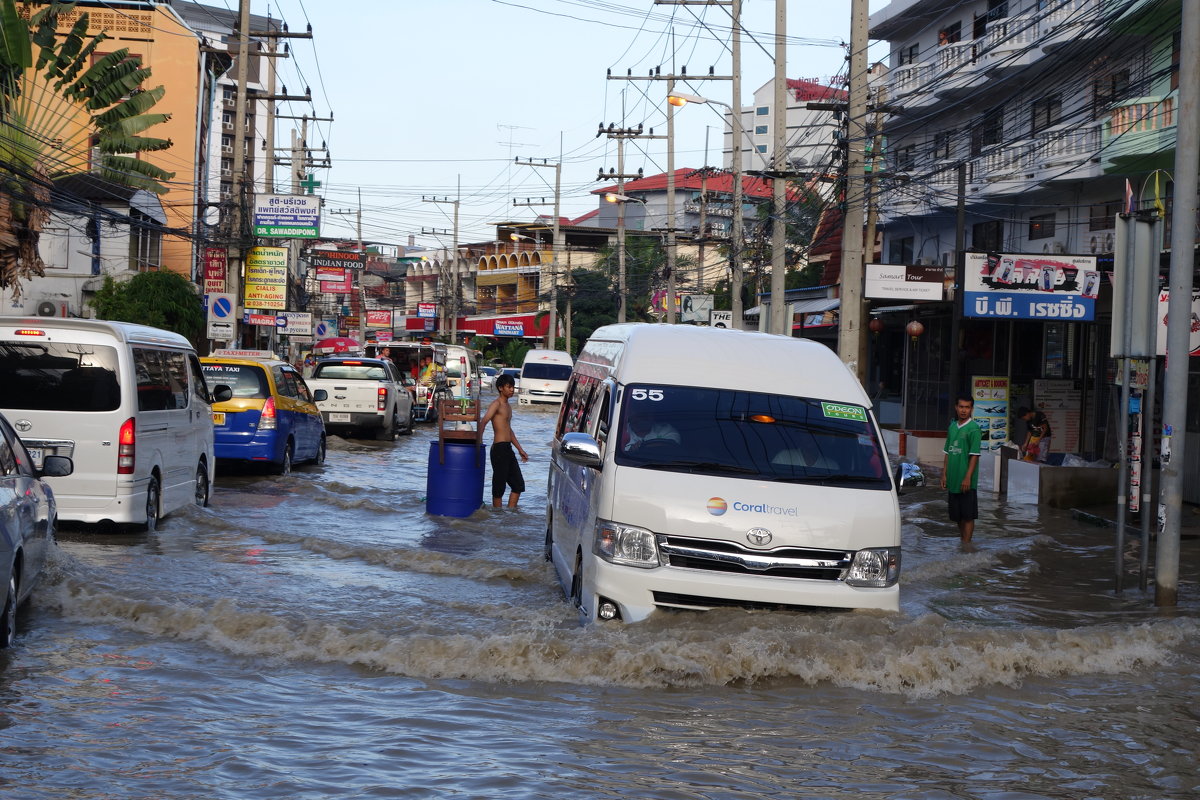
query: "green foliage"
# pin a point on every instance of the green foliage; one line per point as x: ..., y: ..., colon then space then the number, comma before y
x: 162, y: 299
x: 513, y: 352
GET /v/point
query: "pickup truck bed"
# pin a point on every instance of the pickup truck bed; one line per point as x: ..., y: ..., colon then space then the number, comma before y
x: 364, y: 394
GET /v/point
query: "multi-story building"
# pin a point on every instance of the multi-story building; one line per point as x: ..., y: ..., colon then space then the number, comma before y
x: 1046, y: 110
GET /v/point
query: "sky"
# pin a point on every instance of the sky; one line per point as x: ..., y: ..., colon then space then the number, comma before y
x: 436, y: 98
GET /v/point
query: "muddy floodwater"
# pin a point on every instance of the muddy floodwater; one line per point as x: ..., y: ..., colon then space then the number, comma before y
x: 320, y: 636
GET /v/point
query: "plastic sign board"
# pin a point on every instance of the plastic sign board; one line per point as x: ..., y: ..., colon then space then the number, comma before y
x: 216, y: 265
x: 221, y: 308
x: 1164, y: 298
x: 904, y: 282
x: 266, y: 278
x: 294, y: 323
x: 721, y: 319
x: 287, y: 216
x: 337, y: 259
x: 220, y: 331
x: 1003, y: 286
x: 695, y: 307
x: 262, y: 320
x: 379, y: 319
x: 508, y: 328
x: 427, y: 311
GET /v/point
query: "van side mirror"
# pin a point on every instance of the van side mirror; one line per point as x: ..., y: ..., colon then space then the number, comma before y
x: 56, y: 467
x: 221, y: 393
x: 580, y: 448
x: 320, y: 395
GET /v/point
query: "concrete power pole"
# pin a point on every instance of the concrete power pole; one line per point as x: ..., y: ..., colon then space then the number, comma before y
x: 552, y: 336
x: 236, y: 254
x: 621, y: 134
x: 1179, y: 309
x: 852, y: 340
x: 781, y: 320
x: 453, y: 280
x: 736, y: 227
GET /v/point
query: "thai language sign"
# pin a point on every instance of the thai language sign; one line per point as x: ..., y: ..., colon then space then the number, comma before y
x: 379, y: 319
x: 1030, y: 287
x: 266, y: 279
x: 215, y: 267
x: 1164, y: 298
x: 427, y: 310
x: 508, y: 328
x: 287, y: 216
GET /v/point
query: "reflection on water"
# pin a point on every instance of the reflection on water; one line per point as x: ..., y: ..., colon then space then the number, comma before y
x: 321, y: 636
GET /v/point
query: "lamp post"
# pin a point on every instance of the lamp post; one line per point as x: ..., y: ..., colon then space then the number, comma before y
x: 621, y: 200
x: 552, y: 333
x: 736, y: 225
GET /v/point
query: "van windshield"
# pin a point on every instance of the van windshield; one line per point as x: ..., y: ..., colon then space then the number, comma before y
x: 546, y: 372
x: 763, y: 437
x: 53, y: 376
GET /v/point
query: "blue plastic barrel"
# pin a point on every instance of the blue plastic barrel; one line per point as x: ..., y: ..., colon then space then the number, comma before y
x: 454, y: 488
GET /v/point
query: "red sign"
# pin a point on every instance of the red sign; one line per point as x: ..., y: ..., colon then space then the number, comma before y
x: 379, y: 319
x: 266, y: 320
x: 215, y: 268
x: 338, y: 287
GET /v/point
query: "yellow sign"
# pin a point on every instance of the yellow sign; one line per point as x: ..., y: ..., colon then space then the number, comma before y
x: 266, y: 278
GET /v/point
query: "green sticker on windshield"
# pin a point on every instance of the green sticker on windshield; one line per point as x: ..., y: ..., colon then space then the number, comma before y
x: 840, y: 411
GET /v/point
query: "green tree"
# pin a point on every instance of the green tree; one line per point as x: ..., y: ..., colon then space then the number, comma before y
x: 161, y: 299
x: 513, y: 352
x: 56, y: 105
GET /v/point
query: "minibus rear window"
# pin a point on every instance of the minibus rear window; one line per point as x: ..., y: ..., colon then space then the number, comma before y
x: 56, y: 376
x: 749, y: 435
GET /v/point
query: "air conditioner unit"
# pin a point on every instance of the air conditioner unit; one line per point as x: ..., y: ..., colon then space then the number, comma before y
x: 226, y: 172
x: 227, y: 148
x: 47, y: 308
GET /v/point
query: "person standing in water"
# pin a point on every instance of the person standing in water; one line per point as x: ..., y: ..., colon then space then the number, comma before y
x: 506, y: 470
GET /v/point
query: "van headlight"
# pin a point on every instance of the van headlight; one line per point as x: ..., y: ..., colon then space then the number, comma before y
x: 875, y: 567
x: 624, y: 544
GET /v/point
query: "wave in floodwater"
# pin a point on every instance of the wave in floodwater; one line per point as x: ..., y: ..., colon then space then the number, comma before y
x: 917, y: 657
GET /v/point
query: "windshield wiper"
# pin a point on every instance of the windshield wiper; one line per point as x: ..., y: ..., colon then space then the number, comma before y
x: 712, y: 466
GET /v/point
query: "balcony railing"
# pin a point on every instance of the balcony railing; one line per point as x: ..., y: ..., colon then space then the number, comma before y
x: 1142, y: 116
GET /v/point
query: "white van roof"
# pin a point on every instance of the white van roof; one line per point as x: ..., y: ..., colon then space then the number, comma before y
x: 124, y: 331
x: 548, y: 356
x: 697, y: 356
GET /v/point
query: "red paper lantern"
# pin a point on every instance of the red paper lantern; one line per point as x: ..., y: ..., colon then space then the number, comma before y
x: 876, y: 325
x: 914, y: 329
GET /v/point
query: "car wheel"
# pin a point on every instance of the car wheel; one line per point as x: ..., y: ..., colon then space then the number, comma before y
x: 412, y: 421
x: 285, y: 467
x: 389, y: 432
x: 153, y: 504
x: 577, y: 583
x: 9, y: 621
x: 547, y: 550
x: 202, y: 487
x: 320, y: 457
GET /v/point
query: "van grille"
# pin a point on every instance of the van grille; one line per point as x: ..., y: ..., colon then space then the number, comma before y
x: 732, y: 558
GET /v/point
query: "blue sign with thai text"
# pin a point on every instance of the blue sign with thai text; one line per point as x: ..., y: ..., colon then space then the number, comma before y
x: 503, y: 328
x: 1003, y: 286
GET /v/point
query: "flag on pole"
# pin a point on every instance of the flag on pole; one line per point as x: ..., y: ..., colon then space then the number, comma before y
x: 1129, y: 204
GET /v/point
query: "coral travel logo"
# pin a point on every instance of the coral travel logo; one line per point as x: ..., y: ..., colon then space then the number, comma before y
x: 717, y: 506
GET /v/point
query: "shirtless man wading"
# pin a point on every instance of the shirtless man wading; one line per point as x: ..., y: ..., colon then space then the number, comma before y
x: 506, y: 470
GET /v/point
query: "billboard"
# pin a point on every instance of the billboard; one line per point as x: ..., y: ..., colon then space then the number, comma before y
x: 287, y: 216
x: 266, y: 279
x: 1014, y: 286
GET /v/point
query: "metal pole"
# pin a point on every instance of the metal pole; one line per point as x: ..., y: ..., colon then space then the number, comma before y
x: 956, y: 307
x: 1179, y: 311
x: 1124, y: 241
x: 780, y: 322
x: 736, y: 234
x: 851, y: 331
x: 557, y: 245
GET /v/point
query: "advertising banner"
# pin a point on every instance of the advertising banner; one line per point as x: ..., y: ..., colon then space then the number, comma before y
x: 904, y: 282
x: 337, y: 259
x: 215, y: 268
x: 379, y: 319
x: 990, y: 393
x: 343, y: 286
x: 427, y: 310
x: 266, y: 278
x: 1193, y: 324
x: 503, y: 328
x: 287, y: 216
x: 262, y: 320
x: 1004, y: 286
x: 331, y: 274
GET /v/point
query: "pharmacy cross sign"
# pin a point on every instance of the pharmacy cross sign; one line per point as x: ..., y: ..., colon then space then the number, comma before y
x: 309, y: 183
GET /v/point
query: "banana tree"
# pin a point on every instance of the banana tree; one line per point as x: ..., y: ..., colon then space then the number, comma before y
x: 64, y: 109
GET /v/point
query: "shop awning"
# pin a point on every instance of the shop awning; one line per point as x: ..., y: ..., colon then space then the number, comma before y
x: 814, y: 305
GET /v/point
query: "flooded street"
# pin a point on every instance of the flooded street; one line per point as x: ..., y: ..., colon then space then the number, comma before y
x: 321, y: 636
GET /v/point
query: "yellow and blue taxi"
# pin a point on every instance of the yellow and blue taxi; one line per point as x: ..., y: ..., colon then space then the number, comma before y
x: 272, y: 417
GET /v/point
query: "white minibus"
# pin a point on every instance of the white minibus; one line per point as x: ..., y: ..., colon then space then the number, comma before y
x: 544, y: 376
x: 128, y: 403
x: 695, y: 468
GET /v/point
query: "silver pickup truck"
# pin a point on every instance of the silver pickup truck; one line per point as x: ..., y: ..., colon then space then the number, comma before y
x: 364, y: 394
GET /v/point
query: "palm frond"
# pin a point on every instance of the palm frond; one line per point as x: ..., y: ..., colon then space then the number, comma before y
x: 134, y: 172
x: 115, y: 143
x: 15, y: 50
x: 130, y: 107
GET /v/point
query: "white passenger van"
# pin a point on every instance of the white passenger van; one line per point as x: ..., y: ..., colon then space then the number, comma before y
x: 700, y: 467
x: 544, y: 377
x: 462, y: 363
x: 128, y: 403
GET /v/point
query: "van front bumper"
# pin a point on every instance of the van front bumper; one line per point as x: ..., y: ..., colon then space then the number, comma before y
x: 640, y: 592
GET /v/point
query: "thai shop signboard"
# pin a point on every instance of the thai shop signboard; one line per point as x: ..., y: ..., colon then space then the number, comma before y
x: 1006, y: 286
x: 379, y: 319
x: 287, y: 216
x: 215, y: 269
x: 266, y: 278
x: 1193, y: 324
x: 337, y: 259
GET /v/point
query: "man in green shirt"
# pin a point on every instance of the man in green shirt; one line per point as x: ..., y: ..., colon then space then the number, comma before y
x: 960, y: 473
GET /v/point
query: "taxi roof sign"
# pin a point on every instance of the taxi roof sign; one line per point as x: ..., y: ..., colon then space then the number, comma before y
x: 261, y: 355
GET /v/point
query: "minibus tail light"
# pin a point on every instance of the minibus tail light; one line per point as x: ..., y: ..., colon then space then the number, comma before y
x: 267, y: 420
x: 126, y: 440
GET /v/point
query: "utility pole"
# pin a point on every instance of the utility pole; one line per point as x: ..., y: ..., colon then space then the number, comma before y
x: 781, y: 319
x: 236, y: 254
x: 621, y: 134
x: 736, y: 232
x: 552, y: 337
x: 852, y: 339
x: 1179, y: 310
x: 452, y: 304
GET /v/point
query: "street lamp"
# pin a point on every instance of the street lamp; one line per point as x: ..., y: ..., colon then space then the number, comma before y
x: 681, y: 99
x: 621, y: 200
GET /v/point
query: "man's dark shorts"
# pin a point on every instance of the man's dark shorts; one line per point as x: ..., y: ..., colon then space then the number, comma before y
x: 964, y: 505
x: 506, y: 470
